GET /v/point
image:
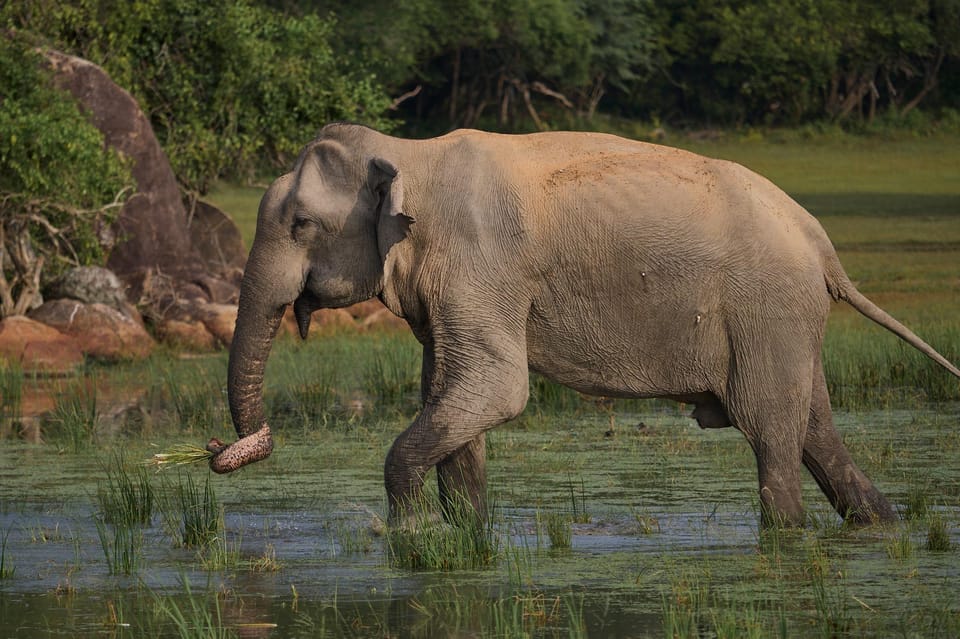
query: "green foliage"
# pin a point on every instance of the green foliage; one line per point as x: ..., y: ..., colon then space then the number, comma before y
x: 58, y: 184
x: 225, y: 84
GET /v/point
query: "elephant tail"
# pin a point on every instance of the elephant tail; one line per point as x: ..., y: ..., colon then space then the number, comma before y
x: 842, y: 288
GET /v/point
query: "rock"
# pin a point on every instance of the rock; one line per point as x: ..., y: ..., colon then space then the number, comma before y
x: 385, y: 320
x: 152, y: 231
x: 101, y: 331
x: 187, y: 335
x: 330, y: 318
x: 90, y: 285
x: 219, y: 319
x: 38, y: 348
x: 217, y: 240
x: 363, y: 310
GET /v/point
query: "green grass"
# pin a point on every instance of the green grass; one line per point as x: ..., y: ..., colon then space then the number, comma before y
x: 73, y: 422
x: 462, y: 542
x: 191, y: 511
x: 126, y: 496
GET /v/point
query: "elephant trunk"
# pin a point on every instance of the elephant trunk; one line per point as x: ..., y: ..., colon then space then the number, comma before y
x: 256, y: 328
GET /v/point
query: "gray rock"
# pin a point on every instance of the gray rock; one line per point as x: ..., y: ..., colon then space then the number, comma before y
x: 90, y: 285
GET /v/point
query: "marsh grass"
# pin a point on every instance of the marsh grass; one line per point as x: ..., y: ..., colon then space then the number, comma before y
x: 463, y: 542
x: 6, y: 570
x: 191, y: 512
x: 11, y: 393
x: 73, y: 421
x: 220, y: 553
x: 900, y: 547
x: 559, y: 530
x: 197, y: 397
x: 578, y: 502
x: 865, y: 369
x: 938, y: 536
x: 193, y: 616
x: 126, y: 496
x: 122, y: 545
x: 392, y: 375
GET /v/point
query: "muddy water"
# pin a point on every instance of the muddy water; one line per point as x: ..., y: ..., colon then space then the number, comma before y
x: 663, y: 512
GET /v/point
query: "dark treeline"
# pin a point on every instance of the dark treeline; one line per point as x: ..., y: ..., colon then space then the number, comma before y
x: 527, y: 63
x: 232, y: 87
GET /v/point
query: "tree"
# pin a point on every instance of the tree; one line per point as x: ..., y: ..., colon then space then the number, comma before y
x: 59, y: 186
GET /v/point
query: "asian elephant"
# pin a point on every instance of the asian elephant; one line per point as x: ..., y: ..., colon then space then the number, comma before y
x: 614, y: 267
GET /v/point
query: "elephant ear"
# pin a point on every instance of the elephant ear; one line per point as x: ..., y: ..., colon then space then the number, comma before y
x: 389, y: 184
x: 393, y: 223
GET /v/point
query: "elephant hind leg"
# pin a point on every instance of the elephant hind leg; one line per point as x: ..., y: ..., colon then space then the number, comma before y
x: 768, y: 400
x: 852, y: 494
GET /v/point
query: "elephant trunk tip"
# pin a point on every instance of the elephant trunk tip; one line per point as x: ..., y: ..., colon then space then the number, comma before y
x: 247, y: 450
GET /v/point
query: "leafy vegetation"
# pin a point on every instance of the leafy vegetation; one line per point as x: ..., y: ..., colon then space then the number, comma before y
x: 59, y: 187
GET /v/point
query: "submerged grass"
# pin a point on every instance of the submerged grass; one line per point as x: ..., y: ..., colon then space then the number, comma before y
x: 191, y: 512
x: 126, y: 496
x: 463, y: 542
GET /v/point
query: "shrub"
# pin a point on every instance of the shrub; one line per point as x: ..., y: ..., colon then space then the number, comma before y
x: 58, y: 184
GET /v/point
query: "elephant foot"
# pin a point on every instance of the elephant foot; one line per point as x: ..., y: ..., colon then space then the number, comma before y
x: 252, y: 448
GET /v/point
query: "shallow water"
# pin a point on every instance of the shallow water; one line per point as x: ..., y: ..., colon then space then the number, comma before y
x: 669, y: 518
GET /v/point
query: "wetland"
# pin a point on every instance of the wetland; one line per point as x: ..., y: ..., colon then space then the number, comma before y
x: 610, y: 518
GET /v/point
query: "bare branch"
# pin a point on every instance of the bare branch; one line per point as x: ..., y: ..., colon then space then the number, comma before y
x: 540, y: 87
x: 406, y: 96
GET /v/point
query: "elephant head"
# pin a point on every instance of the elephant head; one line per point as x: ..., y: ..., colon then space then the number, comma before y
x: 323, y: 232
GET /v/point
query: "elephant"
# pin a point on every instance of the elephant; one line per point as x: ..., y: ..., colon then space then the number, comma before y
x: 615, y: 267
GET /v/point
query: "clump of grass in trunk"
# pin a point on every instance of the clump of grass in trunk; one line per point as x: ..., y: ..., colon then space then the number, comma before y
x: 191, y: 512
x: 73, y: 421
x: 126, y: 497
x: 180, y: 455
x: 464, y: 542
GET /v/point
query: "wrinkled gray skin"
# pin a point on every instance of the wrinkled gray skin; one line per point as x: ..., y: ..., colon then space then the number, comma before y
x: 613, y: 267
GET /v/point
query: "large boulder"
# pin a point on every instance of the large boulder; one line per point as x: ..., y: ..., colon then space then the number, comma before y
x: 37, y: 348
x: 101, y: 331
x: 168, y: 258
x: 93, y: 285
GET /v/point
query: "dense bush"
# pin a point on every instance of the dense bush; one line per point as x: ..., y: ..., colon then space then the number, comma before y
x: 58, y: 185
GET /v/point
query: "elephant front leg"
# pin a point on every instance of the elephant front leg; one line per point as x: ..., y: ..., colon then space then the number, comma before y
x: 462, y: 479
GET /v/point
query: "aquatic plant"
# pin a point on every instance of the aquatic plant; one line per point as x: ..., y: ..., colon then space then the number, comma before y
x: 899, y: 547
x: 938, y: 538
x: 11, y: 392
x: 180, y: 455
x: 559, y: 530
x: 199, y: 617
x: 125, y: 496
x: 191, y: 513
x: 73, y: 421
x: 6, y: 571
x: 463, y: 541
x: 122, y: 546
